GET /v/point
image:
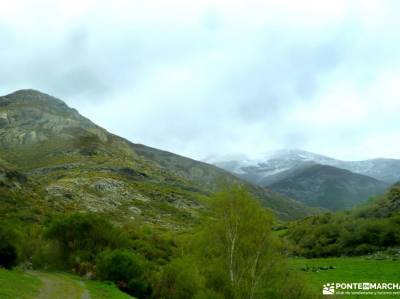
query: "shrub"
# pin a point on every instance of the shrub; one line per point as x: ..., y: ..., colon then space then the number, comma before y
x: 125, y: 268
x: 180, y: 279
x: 9, y: 239
x: 82, y: 236
x: 47, y: 257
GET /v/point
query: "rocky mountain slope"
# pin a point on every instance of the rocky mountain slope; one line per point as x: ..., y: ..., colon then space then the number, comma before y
x: 74, y: 164
x: 262, y: 170
x: 328, y: 187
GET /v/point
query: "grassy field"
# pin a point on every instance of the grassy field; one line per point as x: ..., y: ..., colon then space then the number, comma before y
x: 17, y: 284
x: 348, y: 270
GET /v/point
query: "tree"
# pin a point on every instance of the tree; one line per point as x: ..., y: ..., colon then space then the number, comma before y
x: 239, y: 239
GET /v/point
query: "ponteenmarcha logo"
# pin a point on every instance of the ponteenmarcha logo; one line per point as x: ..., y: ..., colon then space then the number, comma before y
x: 360, y: 288
x: 328, y: 289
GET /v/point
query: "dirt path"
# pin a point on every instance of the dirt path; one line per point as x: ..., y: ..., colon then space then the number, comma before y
x: 60, y: 286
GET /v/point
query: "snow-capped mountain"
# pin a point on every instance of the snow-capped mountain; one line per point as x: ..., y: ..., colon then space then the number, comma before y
x: 266, y: 169
x: 316, y: 180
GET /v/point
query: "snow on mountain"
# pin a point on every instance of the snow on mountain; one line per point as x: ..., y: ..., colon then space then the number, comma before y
x: 263, y: 170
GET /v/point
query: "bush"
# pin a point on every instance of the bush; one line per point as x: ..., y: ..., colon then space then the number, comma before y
x: 9, y: 251
x: 153, y: 245
x: 180, y: 279
x: 82, y: 236
x: 47, y: 257
x: 369, y: 228
x: 125, y: 268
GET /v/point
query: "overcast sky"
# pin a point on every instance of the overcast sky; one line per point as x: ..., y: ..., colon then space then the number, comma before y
x: 209, y: 77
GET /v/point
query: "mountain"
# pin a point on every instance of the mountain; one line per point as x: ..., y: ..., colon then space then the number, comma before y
x: 326, y: 186
x: 262, y: 170
x: 69, y: 164
x: 315, y: 179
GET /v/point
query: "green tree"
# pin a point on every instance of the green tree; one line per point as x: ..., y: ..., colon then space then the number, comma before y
x: 125, y: 268
x: 237, y: 239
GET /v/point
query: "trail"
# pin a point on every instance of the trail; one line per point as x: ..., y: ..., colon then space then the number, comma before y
x: 60, y: 286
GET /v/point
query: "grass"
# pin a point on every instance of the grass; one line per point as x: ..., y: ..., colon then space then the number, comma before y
x: 357, y: 269
x: 102, y: 290
x: 18, y: 285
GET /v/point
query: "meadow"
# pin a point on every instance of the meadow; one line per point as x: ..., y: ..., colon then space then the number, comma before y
x: 347, y: 269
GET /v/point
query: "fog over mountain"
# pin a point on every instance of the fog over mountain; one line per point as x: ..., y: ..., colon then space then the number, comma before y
x: 216, y: 77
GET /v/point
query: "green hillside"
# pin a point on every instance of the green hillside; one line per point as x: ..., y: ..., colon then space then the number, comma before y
x: 70, y: 164
x: 372, y: 227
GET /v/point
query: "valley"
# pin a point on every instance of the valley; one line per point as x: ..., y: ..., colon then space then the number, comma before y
x: 199, y: 149
x: 78, y: 201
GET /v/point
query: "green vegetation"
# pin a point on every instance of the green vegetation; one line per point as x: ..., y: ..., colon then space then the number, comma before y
x: 370, y: 228
x: 346, y: 269
x: 232, y: 253
x: 18, y: 284
x: 80, y: 237
x: 327, y: 187
x: 124, y: 268
x: 104, y: 290
x: 53, y: 160
x: 8, y: 246
x: 27, y: 285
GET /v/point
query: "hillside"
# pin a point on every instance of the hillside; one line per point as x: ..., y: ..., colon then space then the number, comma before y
x: 383, y: 207
x: 371, y: 227
x: 72, y: 164
x: 326, y: 186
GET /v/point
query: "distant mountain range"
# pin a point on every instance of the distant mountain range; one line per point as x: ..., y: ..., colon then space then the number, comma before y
x: 66, y: 163
x: 315, y: 179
